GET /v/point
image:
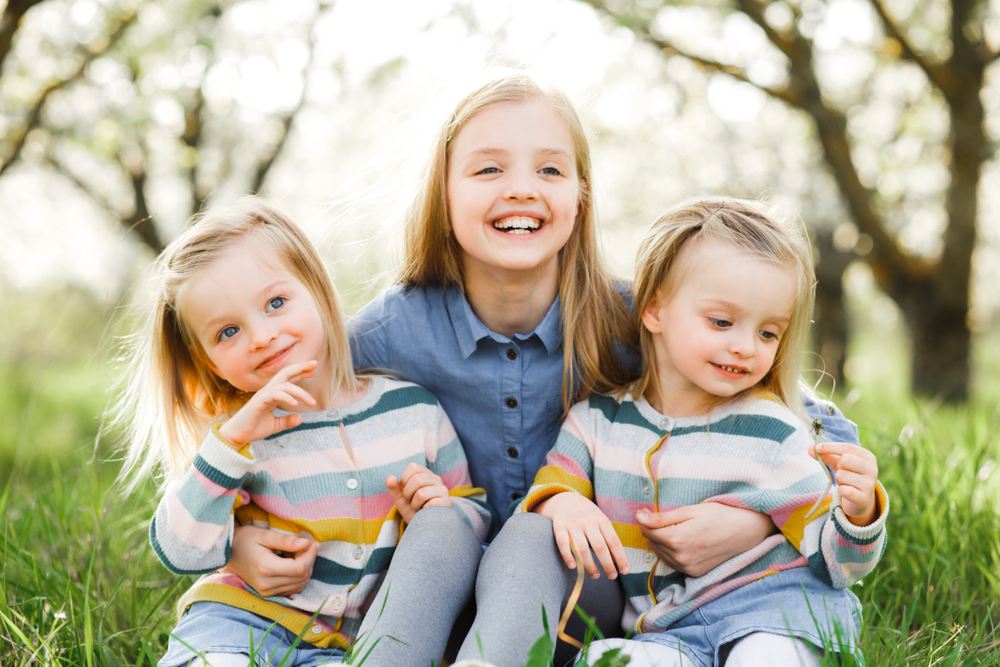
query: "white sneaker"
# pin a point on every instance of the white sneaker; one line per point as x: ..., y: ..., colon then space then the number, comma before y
x: 641, y: 654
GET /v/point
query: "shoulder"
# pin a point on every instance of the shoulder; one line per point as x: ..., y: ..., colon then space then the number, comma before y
x: 404, y: 393
x: 401, y: 300
x: 624, y: 289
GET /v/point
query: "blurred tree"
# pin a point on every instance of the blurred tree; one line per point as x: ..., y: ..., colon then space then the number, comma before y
x: 875, y: 102
x: 127, y: 100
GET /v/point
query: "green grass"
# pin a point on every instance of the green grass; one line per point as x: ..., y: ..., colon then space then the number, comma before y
x: 80, y: 586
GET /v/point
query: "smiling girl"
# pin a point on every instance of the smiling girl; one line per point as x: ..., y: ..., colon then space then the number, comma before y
x: 245, y: 350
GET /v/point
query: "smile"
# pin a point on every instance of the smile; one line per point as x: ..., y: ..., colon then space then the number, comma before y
x: 517, y: 225
x: 732, y: 369
x: 275, y: 357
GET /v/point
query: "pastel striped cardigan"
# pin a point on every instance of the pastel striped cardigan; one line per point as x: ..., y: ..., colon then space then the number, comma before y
x: 324, y: 480
x: 751, y: 454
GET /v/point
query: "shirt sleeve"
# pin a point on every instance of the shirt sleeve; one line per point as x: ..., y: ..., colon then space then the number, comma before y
x: 368, y: 334
x: 446, y: 458
x: 838, y: 552
x: 569, y: 465
x: 836, y: 427
x: 192, y: 529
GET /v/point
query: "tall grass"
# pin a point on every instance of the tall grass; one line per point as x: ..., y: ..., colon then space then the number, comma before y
x: 80, y: 586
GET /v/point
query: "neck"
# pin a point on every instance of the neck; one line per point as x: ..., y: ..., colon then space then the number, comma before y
x: 329, y: 396
x: 510, y: 302
x: 673, y: 401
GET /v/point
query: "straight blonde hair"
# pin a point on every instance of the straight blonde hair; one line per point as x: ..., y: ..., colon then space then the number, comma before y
x: 750, y: 228
x: 168, y: 394
x: 595, y: 317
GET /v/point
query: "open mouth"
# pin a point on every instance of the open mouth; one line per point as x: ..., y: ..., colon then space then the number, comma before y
x: 517, y: 225
x: 732, y: 369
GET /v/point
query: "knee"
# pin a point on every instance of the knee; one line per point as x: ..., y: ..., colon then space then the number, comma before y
x: 524, y: 544
x: 447, y: 530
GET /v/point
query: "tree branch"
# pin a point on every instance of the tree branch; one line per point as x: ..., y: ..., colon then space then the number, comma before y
x: 936, y: 74
x: 10, y: 22
x: 97, y: 48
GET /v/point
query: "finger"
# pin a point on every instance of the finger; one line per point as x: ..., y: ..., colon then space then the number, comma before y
x: 583, y: 545
x: 601, y: 551
x: 286, y: 422
x: 440, y: 501
x: 849, y: 479
x: 836, y: 448
x: 280, y: 541
x: 562, y: 542
x: 615, y: 546
x: 859, y: 464
x: 296, y: 371
x: 412, y: 469
x: 663, y: 555
x: 664, y: 519
x: 298, y: 392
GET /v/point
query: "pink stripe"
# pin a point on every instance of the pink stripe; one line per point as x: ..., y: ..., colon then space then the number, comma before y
x: 623, y: 511
x: 716, y: 592
x: 860, y: 548
x: 185, y: 528
x: 457, y: 476
x: 331, y: 507
x: 731, y: 499
x: 567, y: 463
x: 782, y: 513
x: 210, y: 487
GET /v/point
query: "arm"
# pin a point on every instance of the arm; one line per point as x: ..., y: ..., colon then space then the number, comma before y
x: 443, y: 482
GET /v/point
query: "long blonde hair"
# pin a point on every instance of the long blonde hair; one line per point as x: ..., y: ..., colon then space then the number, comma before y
x: 749, y: 228
x: 168, y: 394
x: 595, y: 317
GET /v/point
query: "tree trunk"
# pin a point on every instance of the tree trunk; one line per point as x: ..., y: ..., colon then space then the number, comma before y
x: 830, y: 328
x: 942, y: 343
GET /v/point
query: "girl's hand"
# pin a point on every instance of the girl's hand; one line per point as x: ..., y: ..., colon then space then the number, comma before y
x: 695, y: 539
x: 578, y: 519
x: 254, y: 560
x: 256, y: 419
x: 417, y: 488
x: 856, y: 471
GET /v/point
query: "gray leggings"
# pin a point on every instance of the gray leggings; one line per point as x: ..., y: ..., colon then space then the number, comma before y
x: 521, y: 573
x: 430, y: 580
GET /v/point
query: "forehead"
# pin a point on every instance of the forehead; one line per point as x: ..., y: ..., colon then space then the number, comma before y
x: 721, y: 271
x: 239, y: 272
x: 530, y: 124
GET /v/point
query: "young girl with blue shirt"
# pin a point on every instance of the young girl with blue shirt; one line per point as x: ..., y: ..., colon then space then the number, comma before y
x: 504, y: 310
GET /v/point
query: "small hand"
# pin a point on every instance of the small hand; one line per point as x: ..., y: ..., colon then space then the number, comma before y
x: 254, y: 559
x: 256, y: 420
x: 695, y: 539
x: 417, y: 488
x: 580, y: 520
x: 856, y: 471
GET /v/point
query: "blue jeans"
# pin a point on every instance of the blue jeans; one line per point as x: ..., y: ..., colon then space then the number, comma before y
x: 211, y: 627
x: 792, y: 603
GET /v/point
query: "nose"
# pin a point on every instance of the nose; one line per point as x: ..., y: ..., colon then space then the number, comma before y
x: 742, y: 343
x: 520, y: 185
x: 262, y: 334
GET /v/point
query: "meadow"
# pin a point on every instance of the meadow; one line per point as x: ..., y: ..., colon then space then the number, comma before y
x: 80, y: 586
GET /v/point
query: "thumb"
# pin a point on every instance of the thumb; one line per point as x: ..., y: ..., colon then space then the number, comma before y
x: 395, y: 490
x: 651, y: 519
x: 286, y: 422
x: 281, y: 542
x: 812, y: 450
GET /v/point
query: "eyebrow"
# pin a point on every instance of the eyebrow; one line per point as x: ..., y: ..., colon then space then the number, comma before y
x: 501, y: 151
x: 216, y: 321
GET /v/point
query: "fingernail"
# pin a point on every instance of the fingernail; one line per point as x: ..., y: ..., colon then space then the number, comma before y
x: 300, y: 542
x: 624, y: 570
x: 596, y: 575
x: 642, y: 514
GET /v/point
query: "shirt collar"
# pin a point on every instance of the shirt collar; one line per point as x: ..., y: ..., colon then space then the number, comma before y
x: 469, y: 329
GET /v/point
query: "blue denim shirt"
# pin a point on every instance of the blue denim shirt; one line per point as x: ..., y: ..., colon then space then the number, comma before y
x: 503, y: 395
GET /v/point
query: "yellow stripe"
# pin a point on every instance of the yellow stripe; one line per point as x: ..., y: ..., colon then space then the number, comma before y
x: 466, y: 491
x: 630, y: 535
x: 355, y: 531
x: 795, y: 527
x: 557, y: 475
x: 296, y: 621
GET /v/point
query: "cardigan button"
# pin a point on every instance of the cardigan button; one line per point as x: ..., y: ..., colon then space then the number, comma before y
x: 335, y: 603
x: 352, y: 484
x: 316, y: 629
x: 648, y: 557
x: 358, y: 553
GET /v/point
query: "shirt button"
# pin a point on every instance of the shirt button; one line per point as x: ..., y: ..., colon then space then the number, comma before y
x: 358, y: 553
x: 512, y: 452
x: 512, y: 354
x: 648, y: 557
x: 333, y: 414
x: 666, y: 423
x: 316, y: 629
x: 511, y: 402
x: 352, y: 484
x: 645, y: 489
x: 336, y: 603
x: 516, y: 496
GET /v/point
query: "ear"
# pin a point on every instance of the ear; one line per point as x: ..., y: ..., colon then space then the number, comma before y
x: 651, y: 314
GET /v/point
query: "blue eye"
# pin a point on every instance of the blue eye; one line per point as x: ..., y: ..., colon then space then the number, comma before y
x: 488, y: 170
x: 552, y: 171
x: 768, y: 335
x: 228, y: 333
x: 720, y: 323
x: 275, y: 303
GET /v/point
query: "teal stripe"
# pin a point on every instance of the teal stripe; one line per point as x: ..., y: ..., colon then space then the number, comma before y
x: 214, y: 474
x: 743, y: 425
x: 155, y: 542
x: 203, y: 505
x: 334, y: 574
x: 818, y: 566
x: 569, y: 445
x: 853, y: 539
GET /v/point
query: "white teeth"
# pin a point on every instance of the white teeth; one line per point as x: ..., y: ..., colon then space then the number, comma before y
x: 517, y: 225
x: 731, y: 369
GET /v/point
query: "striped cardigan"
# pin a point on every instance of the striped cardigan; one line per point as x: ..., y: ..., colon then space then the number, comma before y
x: 626, y: 456
x: 323, y: 480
